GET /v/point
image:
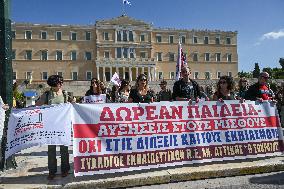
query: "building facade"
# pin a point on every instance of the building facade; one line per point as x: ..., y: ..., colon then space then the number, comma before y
x: 123, y: 45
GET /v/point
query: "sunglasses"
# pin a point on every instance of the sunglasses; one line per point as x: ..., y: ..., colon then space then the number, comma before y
x: 265, y: 77
x: 143, y: 79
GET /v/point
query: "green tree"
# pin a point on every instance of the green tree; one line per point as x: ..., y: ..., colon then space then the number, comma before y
x: 244, y: 74
x: 281, y: 61
x: 256, y: 71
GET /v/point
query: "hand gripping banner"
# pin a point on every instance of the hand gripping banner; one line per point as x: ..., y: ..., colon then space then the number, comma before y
x: 123, y: 137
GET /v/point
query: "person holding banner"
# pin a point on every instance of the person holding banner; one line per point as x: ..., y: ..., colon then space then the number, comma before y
x: 186, y: 89
x: 260, y: 91
x: 141, y: 93
x: 96, y: 93
x: 95, y: 88
x: 55, y: 96
x: 225, y: 89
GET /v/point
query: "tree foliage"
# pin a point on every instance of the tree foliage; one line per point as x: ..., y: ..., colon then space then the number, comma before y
x: 256, y: 71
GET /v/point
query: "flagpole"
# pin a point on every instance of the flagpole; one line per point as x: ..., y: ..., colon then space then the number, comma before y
x: 123, y: 8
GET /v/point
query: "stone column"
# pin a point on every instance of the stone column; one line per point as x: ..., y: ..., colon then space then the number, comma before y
x: 98, y: 72
x: 117, y: 71
x: 104, y: 73
x: 142, y: 71
x: 123, y: 72
x: 136, y: 71
x: 149, y: 73
x: 155, y: 75
x: 110, y: 72
x: 130, y: 73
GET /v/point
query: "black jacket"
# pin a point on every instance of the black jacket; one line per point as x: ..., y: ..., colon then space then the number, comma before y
x: 179, y: 90
x: 253, y: 92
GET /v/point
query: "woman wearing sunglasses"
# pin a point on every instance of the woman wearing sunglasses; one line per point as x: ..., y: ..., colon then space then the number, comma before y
x: 225, y: 89
x: 141, y: 93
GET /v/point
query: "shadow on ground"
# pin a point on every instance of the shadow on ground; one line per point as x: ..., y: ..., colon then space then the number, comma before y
x: 275, y: 179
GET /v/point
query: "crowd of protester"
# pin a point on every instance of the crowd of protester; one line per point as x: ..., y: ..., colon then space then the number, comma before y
x: 185, y: 89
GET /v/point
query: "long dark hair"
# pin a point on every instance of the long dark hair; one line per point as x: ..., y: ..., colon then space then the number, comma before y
x: 98, y: 88
x: 123, y: 84
x: 229, y: 80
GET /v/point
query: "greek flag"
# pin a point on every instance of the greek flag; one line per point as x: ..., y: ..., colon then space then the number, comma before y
x: 126, y: 2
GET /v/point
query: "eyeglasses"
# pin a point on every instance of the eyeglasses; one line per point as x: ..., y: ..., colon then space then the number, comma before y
x: 143, y: 79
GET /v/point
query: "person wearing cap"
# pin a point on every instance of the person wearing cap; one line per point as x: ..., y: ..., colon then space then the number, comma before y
x: 186, y: 89
x: 165, y: 94
x: 260, y: 91
x: 56, y: 96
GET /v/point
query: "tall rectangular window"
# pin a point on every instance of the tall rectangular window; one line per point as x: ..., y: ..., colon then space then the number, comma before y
x: 124, y: 36
x: 44, y: 55
x: 217, y: 40
x: 44, y: 76
x: 73, y: 55
x: 207, y: 57
x: 207, y: 75
x: 28, y: 75
x: 229, y: 57
x: 88, y: 56
x: 131, y: 36
x: 43, y: 35
x: 161, y: 75
x: 172, y: 75
x: 74, y: 76
x: 195, y: 57
x: 195, y: 76
x: 118, y: 35
x: 182, y: 40
x: 228, y: 41
x: 28, y: 34
x: 142, y: 37
x: 118, y: 52
x: 195, y: 39
x: 58, y: 55
x: 125, y: 52
x: 89, y: 75
x: 142, y: 54
x: 159, y: 56
x: 132, y: 53
x: 218, y: 75
x: 158, y: 38
x: 58, y: 35
x: 28, y: 55
x: 106, y: 38
x: 88, y: 35
x: 106, y: 54
x: 171, y: 39
x: 171, y: 56
x: 218, y: 57
x: 206, y: 40
x: 73, y: 36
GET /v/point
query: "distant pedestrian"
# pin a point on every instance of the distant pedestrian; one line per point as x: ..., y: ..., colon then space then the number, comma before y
x: 186, y: 89
x: 260, y: 91
x: 141, y: 93
x: 165, y: 94
x: 56, y: 96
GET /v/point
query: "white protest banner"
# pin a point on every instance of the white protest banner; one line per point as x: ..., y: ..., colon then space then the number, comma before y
x: 43, y: 125
x: 95, y: 99
x: 115, y: 79
x: 123, y: 137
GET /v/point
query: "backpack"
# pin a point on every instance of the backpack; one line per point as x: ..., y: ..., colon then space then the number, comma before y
x: 65, y: 95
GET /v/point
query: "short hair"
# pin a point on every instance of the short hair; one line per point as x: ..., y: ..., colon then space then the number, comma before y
x: 53, y: 80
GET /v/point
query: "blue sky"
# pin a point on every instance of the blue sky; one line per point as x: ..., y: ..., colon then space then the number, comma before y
x: 260, y: 23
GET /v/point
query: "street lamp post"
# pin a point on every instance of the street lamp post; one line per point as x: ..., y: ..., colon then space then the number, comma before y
x: 5, y: 75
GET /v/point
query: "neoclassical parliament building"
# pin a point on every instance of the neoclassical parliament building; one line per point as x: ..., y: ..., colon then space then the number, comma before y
x: 123, y: 45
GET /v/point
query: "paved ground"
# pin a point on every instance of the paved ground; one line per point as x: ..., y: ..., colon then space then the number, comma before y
x: 258, y: 181
x: 32, y: 173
